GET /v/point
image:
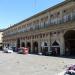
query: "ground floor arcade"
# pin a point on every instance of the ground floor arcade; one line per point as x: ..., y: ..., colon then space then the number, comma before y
x: 63, y: 42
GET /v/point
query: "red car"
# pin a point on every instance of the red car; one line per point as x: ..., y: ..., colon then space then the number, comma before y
x: 23, y: 50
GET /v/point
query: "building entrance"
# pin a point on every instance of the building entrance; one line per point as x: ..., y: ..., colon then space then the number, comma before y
x: 29, y: 46
x: 44, y: 48
x: 70, y: 42
x: 18, y: 43
x: 55, y: 48
x: 22, y: 44
x: 35, y: 47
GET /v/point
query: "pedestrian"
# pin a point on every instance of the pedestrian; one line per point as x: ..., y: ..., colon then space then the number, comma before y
x: 56, y: 51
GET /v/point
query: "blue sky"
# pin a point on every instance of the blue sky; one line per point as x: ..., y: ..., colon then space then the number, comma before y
x: 14, y: 11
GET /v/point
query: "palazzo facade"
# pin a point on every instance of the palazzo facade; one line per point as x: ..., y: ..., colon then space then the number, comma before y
x: 49, y: 29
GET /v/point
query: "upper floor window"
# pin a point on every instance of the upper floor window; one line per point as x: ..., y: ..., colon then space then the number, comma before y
x: 58, y: 14
x: 19, y: 27
x: 51, y: 16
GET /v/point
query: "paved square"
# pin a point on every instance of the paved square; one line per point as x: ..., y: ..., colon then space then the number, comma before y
x: 18, y: 64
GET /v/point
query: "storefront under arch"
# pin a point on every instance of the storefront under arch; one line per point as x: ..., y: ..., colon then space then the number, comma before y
x: 55, y: 48
x: 44, y: 48
x: 35, y: 47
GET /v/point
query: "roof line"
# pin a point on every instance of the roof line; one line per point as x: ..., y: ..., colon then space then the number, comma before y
x: 42, y: 12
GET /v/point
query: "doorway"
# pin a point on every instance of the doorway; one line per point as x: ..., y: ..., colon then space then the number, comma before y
x: 22, y: 44
x: 69, y: 37
x: 18, y: 43
x: 35, y: 48
x: 29, y: 46
x: 55, y: 48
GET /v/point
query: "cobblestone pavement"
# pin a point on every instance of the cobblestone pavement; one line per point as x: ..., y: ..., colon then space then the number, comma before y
x: 18, y: 64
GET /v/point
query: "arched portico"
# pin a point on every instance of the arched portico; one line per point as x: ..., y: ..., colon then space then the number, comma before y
x: 69, y: 38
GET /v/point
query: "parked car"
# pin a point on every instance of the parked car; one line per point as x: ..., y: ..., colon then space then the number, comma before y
x: 23, y: 50
x: 20, y: 50
x: 49, y: 53
x: 8, y: 50
x: 14, y: 49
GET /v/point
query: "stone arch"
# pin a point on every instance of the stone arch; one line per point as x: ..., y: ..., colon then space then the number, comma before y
x: 55, y: 43
x: 22, y: 44
x: 55, y: 48
x: 69, y: 38
x: 18, y: 42
x: 44, y: 48
x: 28, y: 45
x: 44, y: 44
x: 35, y: 47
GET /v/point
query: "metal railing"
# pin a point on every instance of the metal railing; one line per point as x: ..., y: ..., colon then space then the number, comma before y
x: 61, y: 21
